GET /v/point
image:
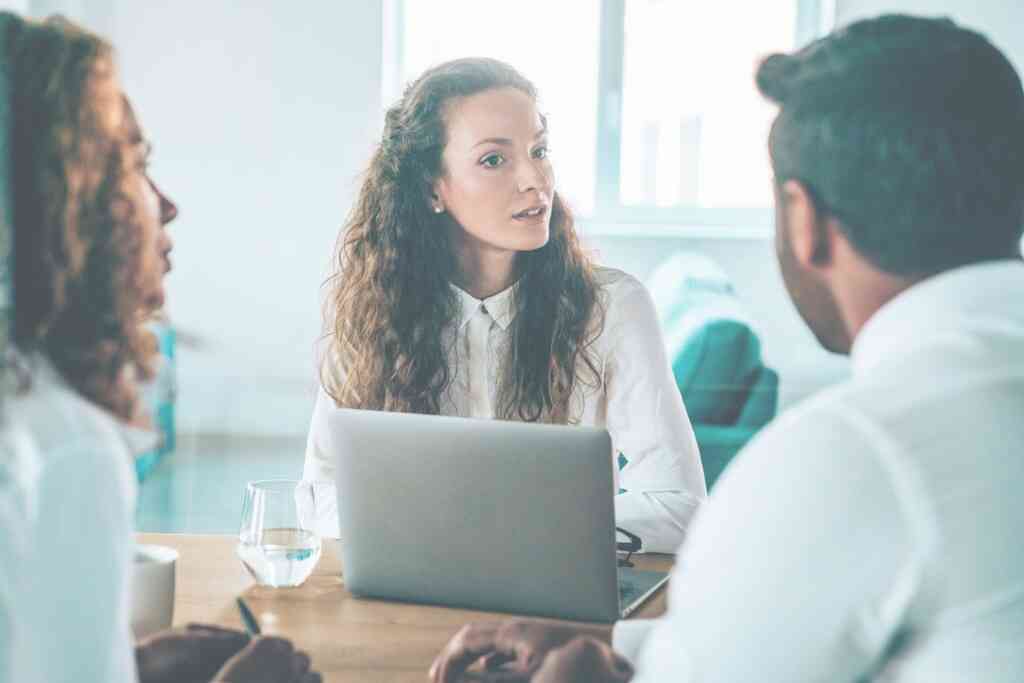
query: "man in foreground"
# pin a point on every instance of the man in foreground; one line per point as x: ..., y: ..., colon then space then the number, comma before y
x: 871, y: 532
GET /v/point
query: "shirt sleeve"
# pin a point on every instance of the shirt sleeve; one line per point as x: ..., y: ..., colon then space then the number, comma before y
x: 17, y: 466
x: 663, y: 480
x: 319, y: 468
x: 802, y: 566
x: 70, y: 620
x: 629, y: 634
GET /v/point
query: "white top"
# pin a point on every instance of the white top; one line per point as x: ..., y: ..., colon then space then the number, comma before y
x: 637, y: 401
x: 67, y: 498
x: 875, y: 530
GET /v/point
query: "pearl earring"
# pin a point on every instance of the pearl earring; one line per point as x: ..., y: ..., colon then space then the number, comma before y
x: 438, y: 209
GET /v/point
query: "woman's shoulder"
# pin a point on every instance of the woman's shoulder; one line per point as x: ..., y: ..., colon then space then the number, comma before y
x: 58, y: 421
x: 626, y: 306
x: 331, y: 370
x: 619, y: 291
x: 609, y: 278
x: 55, y: 443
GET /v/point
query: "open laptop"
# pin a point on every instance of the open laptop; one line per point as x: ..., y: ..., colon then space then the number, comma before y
x: 481, y: 514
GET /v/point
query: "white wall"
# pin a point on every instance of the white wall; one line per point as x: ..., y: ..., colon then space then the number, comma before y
x: 262, y: 114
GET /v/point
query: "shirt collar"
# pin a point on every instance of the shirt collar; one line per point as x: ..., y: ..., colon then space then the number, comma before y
x: 952, y: 301
x: 500, y: 306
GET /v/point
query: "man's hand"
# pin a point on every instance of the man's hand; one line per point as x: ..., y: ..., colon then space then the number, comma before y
x: 268, y: 660
x: 584, y: 660
x: 189, y: 655
x: 510, y: 650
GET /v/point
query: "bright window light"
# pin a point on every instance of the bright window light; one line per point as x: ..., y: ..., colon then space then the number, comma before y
x: 653, y: 112
x: 694, y: 127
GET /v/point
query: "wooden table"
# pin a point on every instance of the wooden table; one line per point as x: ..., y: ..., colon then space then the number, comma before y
x: 349, y: 639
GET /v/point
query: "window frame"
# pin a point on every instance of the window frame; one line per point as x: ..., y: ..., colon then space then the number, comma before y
x: 610, y: 216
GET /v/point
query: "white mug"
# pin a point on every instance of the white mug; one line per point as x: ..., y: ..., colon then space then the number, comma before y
x: 152, y: 589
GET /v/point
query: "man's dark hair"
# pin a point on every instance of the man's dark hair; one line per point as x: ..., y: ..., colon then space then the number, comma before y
x: 910, y: 132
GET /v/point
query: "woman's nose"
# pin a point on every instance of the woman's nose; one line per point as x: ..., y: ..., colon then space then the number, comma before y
x: 168, y: 209
x: 532, y: 177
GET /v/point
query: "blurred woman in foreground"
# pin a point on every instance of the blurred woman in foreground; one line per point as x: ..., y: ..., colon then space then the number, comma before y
x: 85, y: 228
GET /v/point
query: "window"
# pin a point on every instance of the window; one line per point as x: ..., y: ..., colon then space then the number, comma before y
x: 654, y: 117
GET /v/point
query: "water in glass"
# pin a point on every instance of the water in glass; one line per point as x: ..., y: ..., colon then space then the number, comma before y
x: 281, y: 557
x: 277, y: 543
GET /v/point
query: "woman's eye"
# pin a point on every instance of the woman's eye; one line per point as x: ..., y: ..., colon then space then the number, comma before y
x: 493, y: 160
x: 540, y: 153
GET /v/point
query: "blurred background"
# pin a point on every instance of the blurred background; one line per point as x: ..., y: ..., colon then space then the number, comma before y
x: 262, y: 115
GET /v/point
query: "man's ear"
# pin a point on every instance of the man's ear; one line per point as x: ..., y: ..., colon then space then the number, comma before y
x: 807, y: 227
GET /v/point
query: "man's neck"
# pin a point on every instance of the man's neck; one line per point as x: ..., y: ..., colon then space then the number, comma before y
x: 862, y: 302
x: 860, y: 288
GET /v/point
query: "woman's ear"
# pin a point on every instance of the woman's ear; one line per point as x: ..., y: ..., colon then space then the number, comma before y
x: 435, y: 196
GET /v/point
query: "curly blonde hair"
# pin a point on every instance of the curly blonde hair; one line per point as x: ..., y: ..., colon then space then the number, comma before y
x: 389, y: 298
x: 77, y: 238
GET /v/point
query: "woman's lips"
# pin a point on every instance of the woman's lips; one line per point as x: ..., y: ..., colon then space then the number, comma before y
x: 532, y: 215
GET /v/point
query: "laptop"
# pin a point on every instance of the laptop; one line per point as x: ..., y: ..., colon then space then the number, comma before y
x: 481, y: 514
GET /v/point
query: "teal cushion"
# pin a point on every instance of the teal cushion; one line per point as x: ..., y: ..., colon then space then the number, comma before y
x: 762, y: 399
x: 718, y: 446
x: 712, y: 370
x: 715, y: 356
x: 714, y: 353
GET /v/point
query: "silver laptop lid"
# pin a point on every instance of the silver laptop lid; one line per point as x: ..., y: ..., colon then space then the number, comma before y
x: 481, y: 514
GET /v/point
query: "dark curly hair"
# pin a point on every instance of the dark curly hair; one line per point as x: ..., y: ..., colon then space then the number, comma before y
x: 76, y: 238
x: 910, y: 131
x: 390, y: 300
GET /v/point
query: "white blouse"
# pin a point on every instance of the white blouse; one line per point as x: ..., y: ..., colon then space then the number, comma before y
x: 67, y: 499
x: 637, y: 402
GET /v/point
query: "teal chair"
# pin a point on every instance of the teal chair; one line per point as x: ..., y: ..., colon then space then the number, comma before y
x: 715, y: 355
x: 160, y: 397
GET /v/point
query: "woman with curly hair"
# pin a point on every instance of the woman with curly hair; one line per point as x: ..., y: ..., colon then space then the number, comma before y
x: 85, y: 224
x: 461, y: 289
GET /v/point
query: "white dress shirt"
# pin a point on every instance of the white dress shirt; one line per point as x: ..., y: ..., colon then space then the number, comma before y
x: 874, y: 532
x: 637, y: 401
x: 67, y: 498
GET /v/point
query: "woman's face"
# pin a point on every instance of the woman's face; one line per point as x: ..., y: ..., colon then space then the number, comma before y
x: 157, y: 210
x: 496, y: 184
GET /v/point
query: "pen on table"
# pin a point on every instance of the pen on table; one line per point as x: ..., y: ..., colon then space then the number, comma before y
x: 251, y: 625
